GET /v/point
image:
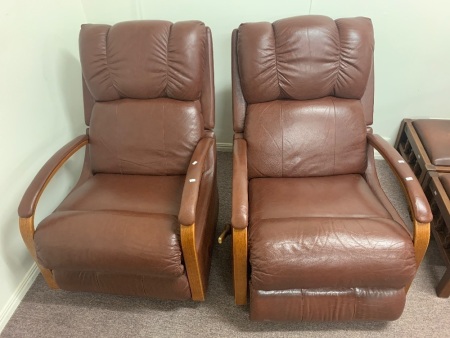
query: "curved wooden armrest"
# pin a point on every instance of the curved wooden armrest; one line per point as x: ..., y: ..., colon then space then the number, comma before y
x: 29, y: 201
x: 191, y: 188
x: 31, y: 197
x: 239, y: 220
x: 417, y: 200
x: 186, y: 217
x: 420, y: 208
x: 239, y: 210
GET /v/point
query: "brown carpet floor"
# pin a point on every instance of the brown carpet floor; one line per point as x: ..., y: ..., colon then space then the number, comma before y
x: 47, y: 313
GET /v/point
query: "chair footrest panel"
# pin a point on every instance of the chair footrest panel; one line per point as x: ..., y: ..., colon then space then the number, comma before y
x: 363, y: 304
x: 176, y: 288
x: 110, y: 241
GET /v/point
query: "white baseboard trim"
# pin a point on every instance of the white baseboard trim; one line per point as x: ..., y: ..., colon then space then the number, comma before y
x: 15, y: 299
x: 225, y: 147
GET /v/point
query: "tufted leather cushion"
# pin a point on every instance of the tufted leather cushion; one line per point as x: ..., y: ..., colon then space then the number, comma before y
x: 305, y: 58
x: 146, y: 80
x: 143, y: 60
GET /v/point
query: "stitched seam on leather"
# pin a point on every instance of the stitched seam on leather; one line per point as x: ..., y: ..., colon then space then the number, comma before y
x: 167, y: 61
x: 339, y: 59
x: 323, y: 217
x: 250, y: 164
x: 105, y: 145
x: 334, y: 148
x: 303, y: 304
x: 143, y: 165
x: 276, y: 63
x: 117, y: 144
x: 282, y: 139
x: 107, y: 64
x: 118, y: 212
x: 164, y: 139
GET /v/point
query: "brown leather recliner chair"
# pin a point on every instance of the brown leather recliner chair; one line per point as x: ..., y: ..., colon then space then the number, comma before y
x: 141, y: 219
x: 324, y: 242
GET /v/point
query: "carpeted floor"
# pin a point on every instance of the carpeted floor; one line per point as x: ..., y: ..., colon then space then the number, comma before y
x: 47, y: 313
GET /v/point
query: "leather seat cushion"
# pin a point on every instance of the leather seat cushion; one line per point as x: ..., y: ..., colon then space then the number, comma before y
x: 435, y: 136
x: 324, y: 234
x: 445, y: 180
x: 331, y: 196
x: 116, y: 223
x: 137, y: 193
x: 176, y: 288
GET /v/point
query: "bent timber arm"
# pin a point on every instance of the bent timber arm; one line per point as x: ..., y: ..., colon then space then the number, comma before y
x: 419, y: 206
x: 187, y: 217
x: 27, y: 206
x: 239, y: 220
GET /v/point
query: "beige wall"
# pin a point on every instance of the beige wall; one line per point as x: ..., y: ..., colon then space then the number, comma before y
x: 40, y: 111
x: 40, y: 80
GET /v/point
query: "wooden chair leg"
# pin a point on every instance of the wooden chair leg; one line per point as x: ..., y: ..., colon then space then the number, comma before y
x: 421, y: 241
x: 443, y: 288
x: 240, y: 266
x: 48, y: 277
x: 26, y: 226
x: 187, y: 233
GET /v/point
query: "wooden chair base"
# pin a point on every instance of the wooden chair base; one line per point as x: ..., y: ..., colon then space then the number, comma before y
x: 440, y: 206
x: 409, y: 145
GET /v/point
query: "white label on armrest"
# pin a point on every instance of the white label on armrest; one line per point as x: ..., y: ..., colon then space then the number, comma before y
x: 401, y: 161
x: 409, y: 178
x: 434, y: 192
x: 194, y: 163
x: 192, y: 180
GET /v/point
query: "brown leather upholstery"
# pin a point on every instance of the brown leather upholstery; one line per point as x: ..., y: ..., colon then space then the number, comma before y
x: 326, y: 305
x: 157, y: 146
x: 324, y: 241
x: 150, y: 167
x: 445, y: 180
x: 423, y: 144
x: 278, y: 146
x: 438, y: 193
x: 435, y: 136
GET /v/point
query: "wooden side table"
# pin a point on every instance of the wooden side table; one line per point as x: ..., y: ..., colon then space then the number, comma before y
x: 438, y: 192
x: 425, y: 146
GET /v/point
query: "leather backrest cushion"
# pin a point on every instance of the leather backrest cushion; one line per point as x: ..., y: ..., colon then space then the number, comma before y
x: 143, y: 59
x: 149, y: 137
x: 320, y: 137
x: 305, y: 57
